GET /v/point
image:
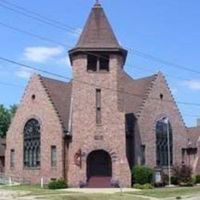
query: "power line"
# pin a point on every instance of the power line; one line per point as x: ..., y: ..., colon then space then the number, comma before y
x: 67, y: 45
x: 39, y: 15
x: 56, y: 24
x: 91, y: 84
x: 40, y: 19
x: 31, y: 34
x: 165, y: 62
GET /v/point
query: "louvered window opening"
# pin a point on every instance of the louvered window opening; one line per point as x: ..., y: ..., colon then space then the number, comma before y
x: 32, y: 144
x: 98, y: 63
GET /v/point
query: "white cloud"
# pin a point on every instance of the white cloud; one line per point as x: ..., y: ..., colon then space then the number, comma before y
x: 42, y: 54
x: 192, y: 84
x: 24, y: 73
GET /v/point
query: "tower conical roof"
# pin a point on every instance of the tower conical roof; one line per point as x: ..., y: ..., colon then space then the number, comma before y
x: 97, y: 34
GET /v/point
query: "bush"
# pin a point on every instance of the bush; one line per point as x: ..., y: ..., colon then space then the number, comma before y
x: 142, y: 175
x: 143, y: 187
x: 183, y: 175
x: 57, y: 184
x: 197, y: 179
x: 174, y: 180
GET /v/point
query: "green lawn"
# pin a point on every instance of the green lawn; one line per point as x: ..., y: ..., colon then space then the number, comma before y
x: 171, y: 192
x: 46, y: 194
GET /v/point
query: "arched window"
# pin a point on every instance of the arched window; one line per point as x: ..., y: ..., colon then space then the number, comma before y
x: 163, y: 131
x: 32, y: 143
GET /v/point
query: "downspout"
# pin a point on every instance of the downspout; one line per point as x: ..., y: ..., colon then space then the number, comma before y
x: 66, y: 143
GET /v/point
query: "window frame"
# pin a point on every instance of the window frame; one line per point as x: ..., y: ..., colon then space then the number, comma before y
x: 53, y: 156
x: 12, y: 158
x: 32, y: 144
x: 97, y: 63
x: 162, y: 144
x: 98, y: 107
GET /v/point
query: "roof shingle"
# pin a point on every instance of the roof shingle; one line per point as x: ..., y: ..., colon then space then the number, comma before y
x: 136, y: 91
x: 60, y: 94
x: 97, y: 32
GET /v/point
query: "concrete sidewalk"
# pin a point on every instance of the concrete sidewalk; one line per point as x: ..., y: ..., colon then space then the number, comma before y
x: 100, y: 190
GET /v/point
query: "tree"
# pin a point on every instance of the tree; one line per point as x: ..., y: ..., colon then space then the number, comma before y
x: 4, y: 120
x: 12, y: 110
x: 6, y: 116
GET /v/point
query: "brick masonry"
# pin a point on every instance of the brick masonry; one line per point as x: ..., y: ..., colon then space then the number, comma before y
x: 85, y: 130
x: 86, y: 136
x: 51, y: 134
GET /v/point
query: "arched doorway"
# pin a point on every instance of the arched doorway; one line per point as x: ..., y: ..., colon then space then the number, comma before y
x: 99, y: 169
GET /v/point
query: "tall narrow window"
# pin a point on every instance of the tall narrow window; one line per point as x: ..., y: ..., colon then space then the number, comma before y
x: 98, y: 106
x: 53, y: 156
x: 163, y: 131
x: 12, y: 158
x: 143, y: 156
x: 32, y: 144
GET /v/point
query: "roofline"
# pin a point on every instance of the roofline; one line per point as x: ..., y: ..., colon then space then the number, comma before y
x: 88, y: 50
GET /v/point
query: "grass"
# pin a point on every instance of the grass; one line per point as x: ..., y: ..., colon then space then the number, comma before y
x: 140, y: 195
x: 32, y: 189
x: 170, y: 192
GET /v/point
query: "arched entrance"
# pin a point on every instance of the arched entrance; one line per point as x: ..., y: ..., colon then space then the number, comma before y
x: 99, y: 169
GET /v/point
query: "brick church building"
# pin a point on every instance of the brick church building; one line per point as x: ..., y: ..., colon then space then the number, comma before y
x: 92, y: 130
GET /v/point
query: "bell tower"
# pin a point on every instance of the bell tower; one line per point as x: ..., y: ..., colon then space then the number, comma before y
x: 98, y: 126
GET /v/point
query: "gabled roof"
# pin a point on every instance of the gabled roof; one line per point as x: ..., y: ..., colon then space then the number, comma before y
x: 193, y: 136
x: 136, y: 92
x: 60, y: 95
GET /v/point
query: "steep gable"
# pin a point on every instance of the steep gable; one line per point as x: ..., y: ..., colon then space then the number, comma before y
x: 60, y: 95
x: 135, y: 92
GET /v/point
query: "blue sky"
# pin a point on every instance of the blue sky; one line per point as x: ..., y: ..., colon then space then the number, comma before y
x: 166, y: 29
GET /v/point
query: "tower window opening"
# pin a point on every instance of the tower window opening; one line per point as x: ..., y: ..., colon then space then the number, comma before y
x: 97, y: 63
x: 92, y: 63
x: 104, y: 63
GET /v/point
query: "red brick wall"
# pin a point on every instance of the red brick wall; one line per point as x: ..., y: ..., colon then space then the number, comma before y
x: 51, y: 134
x: 153, y: 109
x: 87, y: 136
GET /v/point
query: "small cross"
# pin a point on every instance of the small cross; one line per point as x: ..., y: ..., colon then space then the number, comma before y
x: 97, y: 1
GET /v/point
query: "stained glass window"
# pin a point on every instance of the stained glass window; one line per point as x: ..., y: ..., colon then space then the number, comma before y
x: 32, y: 143
x: 163, y: 131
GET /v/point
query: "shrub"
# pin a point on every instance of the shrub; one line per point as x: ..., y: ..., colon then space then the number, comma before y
x: 143, y: 187
x: 142, y: 175
x: 183, y: 175
x: 197, y: 179
x: 174, y: 180
x: 57, y: 184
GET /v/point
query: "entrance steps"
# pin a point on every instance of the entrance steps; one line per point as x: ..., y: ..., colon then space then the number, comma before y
x: 99, y: 182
